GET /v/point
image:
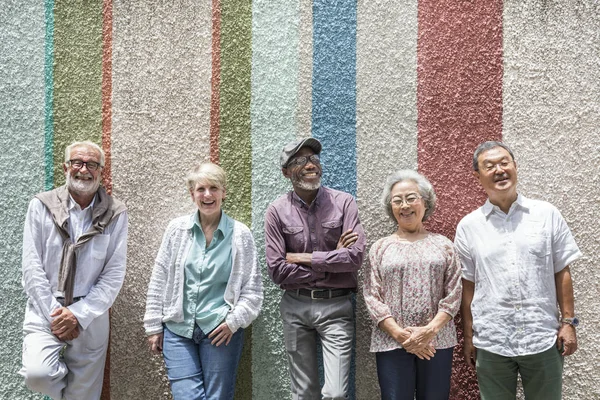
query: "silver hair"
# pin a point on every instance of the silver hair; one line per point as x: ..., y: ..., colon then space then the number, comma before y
x: 208, y: 171
x: 425, y: 190
x: 485, y: 146
x: 85, y: 143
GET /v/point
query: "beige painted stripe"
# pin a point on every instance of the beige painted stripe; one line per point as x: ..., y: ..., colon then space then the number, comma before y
x: 386, y: 134
x: 161, y: 125
x: 551, y: 100
x: 305, y: 70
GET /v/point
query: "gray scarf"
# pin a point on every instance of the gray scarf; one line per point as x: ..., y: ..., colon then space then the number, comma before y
x: 105, y: 210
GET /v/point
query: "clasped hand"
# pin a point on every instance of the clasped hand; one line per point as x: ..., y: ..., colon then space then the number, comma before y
x: 65, y: 325
x: 419, y: 342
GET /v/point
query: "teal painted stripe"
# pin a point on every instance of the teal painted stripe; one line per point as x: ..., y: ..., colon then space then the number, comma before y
x: 49, y: 96
x: 274, y: 106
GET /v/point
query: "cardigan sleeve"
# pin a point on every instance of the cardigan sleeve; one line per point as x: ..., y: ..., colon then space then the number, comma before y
x: 247, y: 269
x: 156, y: 288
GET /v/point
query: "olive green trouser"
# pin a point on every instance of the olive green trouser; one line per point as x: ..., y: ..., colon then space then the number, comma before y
x: 541, y: 375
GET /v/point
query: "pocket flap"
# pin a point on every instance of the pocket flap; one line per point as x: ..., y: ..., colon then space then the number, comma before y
x: 332, y: 224
x: 291, y: 230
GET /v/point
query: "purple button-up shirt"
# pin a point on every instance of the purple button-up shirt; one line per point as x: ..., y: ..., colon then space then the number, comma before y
x: 293, y: 227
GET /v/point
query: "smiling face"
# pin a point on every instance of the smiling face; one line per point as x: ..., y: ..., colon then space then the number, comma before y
x: 304, y: 177
x: 408, y: 216
x: 497, y: 174
x: 82, y: 181
x: 208, y: 197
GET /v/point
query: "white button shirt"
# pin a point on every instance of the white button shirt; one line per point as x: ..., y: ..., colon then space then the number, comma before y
x: 100, y: 263
x: 512, y: 259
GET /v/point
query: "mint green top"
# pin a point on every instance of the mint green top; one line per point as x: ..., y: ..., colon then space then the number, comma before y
x: 207, y: 271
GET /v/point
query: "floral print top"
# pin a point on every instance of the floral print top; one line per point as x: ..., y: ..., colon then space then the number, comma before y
x: 411, y: 282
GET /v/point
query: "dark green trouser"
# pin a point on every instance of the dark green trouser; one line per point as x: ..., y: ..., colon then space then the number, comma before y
x: 541, y: 375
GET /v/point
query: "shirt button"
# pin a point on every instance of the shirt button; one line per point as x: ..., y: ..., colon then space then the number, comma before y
x: 518, y: 307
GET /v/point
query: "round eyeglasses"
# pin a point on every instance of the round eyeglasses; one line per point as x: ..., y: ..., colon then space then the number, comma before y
x: 410, y: 199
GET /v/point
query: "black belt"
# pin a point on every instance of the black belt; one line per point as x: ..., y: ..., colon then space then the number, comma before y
x: 323, y: 293
x: 61, y: 300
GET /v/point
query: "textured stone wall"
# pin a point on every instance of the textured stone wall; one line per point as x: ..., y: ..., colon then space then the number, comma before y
x: 383, y: 84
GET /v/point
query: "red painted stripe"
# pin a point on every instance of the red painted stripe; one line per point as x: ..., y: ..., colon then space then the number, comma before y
x: 107, y: 18
x: 107, y: 91
x: 459, y: 100
x: 215, y: 101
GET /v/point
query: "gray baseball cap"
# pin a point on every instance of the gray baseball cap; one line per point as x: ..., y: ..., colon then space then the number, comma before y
x: 292, y: 148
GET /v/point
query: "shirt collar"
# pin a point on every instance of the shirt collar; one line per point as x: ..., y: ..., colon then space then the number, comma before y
x: 74, y: 205
x: 224, y: 223
x: 521, y: 202
x: 315, y: 201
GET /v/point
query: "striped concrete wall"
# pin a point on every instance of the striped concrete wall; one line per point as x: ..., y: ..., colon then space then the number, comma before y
x: 383, y: 85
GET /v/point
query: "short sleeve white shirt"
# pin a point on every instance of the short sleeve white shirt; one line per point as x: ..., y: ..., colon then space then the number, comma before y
x: 512, y: 259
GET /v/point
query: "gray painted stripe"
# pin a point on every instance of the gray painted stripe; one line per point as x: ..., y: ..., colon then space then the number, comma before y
x: 22, y: 38
x: 386, y: 112
x: 551, y: 100
x: 161, y: 109
x: 275, y: 43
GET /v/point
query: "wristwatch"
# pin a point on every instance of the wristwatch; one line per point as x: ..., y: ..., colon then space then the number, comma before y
x: 571, y: 321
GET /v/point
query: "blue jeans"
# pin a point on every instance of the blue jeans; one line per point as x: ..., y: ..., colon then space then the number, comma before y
x: 401, y: 374
x: 199, y: 370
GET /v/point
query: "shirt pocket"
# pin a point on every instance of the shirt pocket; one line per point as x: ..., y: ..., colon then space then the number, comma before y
x: 99, y: 246
x: 294, y: 238
x: 332, y: 230
x: 538, y: 244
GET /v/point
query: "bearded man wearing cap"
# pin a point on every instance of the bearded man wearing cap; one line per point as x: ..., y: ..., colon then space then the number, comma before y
x: 314, y: 248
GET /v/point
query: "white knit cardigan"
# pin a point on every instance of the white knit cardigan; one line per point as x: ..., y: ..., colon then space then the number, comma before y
x: 243, y: 293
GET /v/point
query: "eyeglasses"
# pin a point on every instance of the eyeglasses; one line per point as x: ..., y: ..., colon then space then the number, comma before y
x: 90, y: 165
x: 301, y: 161
x: 504, y: 164
x: 410, y: 199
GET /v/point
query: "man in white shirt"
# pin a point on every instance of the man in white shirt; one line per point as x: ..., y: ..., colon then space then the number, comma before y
x: 515, y: 254
x: 74, y: 255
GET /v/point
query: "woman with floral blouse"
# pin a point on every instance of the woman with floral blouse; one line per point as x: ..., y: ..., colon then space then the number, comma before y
x: 412, y: 291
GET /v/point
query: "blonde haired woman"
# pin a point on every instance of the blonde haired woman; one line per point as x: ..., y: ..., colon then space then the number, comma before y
x: 205, y: 288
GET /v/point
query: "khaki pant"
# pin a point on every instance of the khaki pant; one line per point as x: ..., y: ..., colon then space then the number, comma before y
x: 76, y: 374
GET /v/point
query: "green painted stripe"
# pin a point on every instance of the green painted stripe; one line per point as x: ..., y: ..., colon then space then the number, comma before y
x: 77, y: 99
x: 49, y: 93
x: 235, y: 151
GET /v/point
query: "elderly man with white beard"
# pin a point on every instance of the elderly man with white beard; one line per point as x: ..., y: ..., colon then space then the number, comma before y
x: 314, y: 244
x: 74, y: 255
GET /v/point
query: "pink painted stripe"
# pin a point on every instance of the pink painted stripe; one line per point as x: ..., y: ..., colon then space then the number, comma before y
x: 215, y: 101
x: 107, y: 19
x: 459, y: 100
x: 107, y: 91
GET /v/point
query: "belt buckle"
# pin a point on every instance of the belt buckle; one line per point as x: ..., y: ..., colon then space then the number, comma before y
x: 312, y: 294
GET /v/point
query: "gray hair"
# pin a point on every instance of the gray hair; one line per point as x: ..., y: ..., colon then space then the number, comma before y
x: 425, y: 190
x: 88, y: 144
x: 485, y: 146
x: 208, y: 171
